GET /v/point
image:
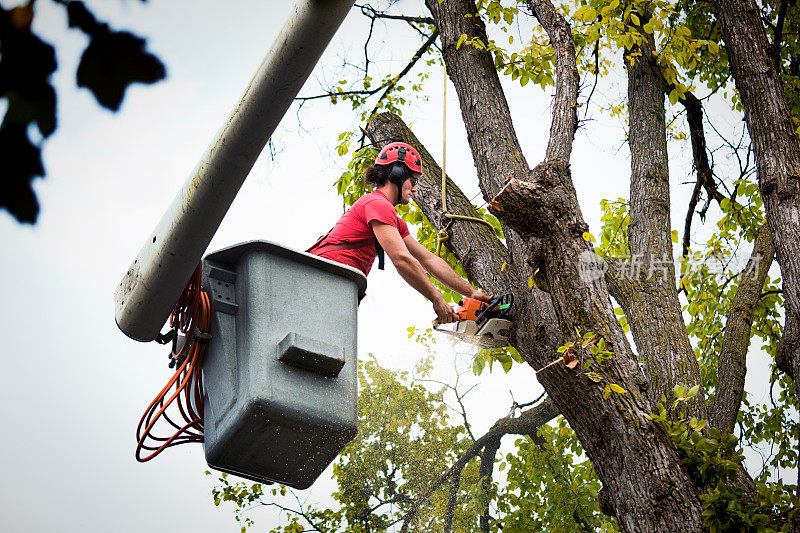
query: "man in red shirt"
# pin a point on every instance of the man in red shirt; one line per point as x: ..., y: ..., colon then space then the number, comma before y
x: 371, y: 227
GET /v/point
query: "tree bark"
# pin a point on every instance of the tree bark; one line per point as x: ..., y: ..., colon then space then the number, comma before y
x: 732, y: 364
x: 490, y: 131
x: 705, y: 177
x: 653, y: 310
x: 565, y: 109
x: 777, y: 155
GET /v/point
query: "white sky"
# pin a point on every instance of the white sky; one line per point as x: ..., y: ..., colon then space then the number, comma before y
x: 74, y: 386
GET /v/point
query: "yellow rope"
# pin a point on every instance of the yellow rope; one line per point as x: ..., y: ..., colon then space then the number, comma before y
x: 443, y: 236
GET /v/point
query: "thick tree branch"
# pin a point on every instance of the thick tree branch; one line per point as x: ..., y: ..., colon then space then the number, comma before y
x: 690, y: 211
x: 777, y: 155
x: 655, y: 314
x: 485, y: 472
x: 451, y: 502
x: 649, y: 229
x: 526, y: 423
x: 776, y: 44
x: 484, y: 109
x: 731, y: 367
x: 565, y: 104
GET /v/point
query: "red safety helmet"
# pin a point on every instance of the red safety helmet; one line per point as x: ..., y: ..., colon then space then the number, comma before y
x: 399, y: 151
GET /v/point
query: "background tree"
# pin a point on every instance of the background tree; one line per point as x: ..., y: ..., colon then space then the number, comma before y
x: 392, y: 469
x: 110, y: 63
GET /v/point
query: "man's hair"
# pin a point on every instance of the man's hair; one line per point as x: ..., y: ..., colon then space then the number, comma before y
x: 377, y: 175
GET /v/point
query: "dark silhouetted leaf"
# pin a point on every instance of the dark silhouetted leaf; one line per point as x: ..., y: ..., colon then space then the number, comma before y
x: 111, y: 62
x: 80, y: 17
x: 20, y: 162
x: 114, y: 60
x: 26, y: 64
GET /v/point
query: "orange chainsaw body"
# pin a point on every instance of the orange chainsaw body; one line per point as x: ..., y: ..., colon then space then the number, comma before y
x: 468, y: 309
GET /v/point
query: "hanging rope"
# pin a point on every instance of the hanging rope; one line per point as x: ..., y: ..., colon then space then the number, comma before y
x: 192, y: 317
x: 444, y: 234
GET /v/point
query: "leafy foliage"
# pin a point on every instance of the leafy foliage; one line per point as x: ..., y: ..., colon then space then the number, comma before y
x: 712, y: 460
x: 548, y: 474
x: 110, y: 63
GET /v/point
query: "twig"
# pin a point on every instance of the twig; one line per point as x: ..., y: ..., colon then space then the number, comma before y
x: 776, y: 45
x: 414, y: 59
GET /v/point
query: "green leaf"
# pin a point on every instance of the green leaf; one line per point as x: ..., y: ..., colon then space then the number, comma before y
x: 477, y: 366
x: 594, y: 376
x: 618, y: 389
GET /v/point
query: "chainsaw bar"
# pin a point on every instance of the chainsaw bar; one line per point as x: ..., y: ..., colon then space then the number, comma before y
x: 493, y: 333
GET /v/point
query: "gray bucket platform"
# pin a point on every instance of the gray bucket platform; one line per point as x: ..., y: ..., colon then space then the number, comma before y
x: 280, y: 373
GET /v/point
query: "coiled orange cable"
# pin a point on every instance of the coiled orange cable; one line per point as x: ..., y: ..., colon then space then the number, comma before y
x: 191, y: 317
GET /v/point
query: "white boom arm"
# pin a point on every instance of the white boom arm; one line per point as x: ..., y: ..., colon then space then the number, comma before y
x: 153, y: 283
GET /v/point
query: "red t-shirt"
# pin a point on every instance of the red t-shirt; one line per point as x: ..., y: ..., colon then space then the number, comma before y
x: 354, y: 226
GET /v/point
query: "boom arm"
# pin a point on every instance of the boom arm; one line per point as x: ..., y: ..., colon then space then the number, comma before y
x: 155, y: 279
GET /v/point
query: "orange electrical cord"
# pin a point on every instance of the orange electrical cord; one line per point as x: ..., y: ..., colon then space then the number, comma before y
x: 191, y: 317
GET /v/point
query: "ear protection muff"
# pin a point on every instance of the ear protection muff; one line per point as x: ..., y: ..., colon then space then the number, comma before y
x: 399, y: 172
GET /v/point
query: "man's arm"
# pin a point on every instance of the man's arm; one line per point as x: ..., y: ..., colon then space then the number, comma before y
x: 439, y: 269
x: 410, y: 269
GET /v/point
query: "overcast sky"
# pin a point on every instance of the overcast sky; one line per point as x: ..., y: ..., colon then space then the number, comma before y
x: 74, y: 386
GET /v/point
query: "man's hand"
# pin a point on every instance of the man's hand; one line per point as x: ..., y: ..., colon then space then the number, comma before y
x: 478, y: 295
x: 444, y: 313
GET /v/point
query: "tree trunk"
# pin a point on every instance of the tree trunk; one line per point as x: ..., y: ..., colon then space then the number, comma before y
x: 777, y: 155
x: 647, y: 487
x: 732, y: 364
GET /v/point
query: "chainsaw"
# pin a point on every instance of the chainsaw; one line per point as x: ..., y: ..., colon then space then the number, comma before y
x: 480, y: 323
